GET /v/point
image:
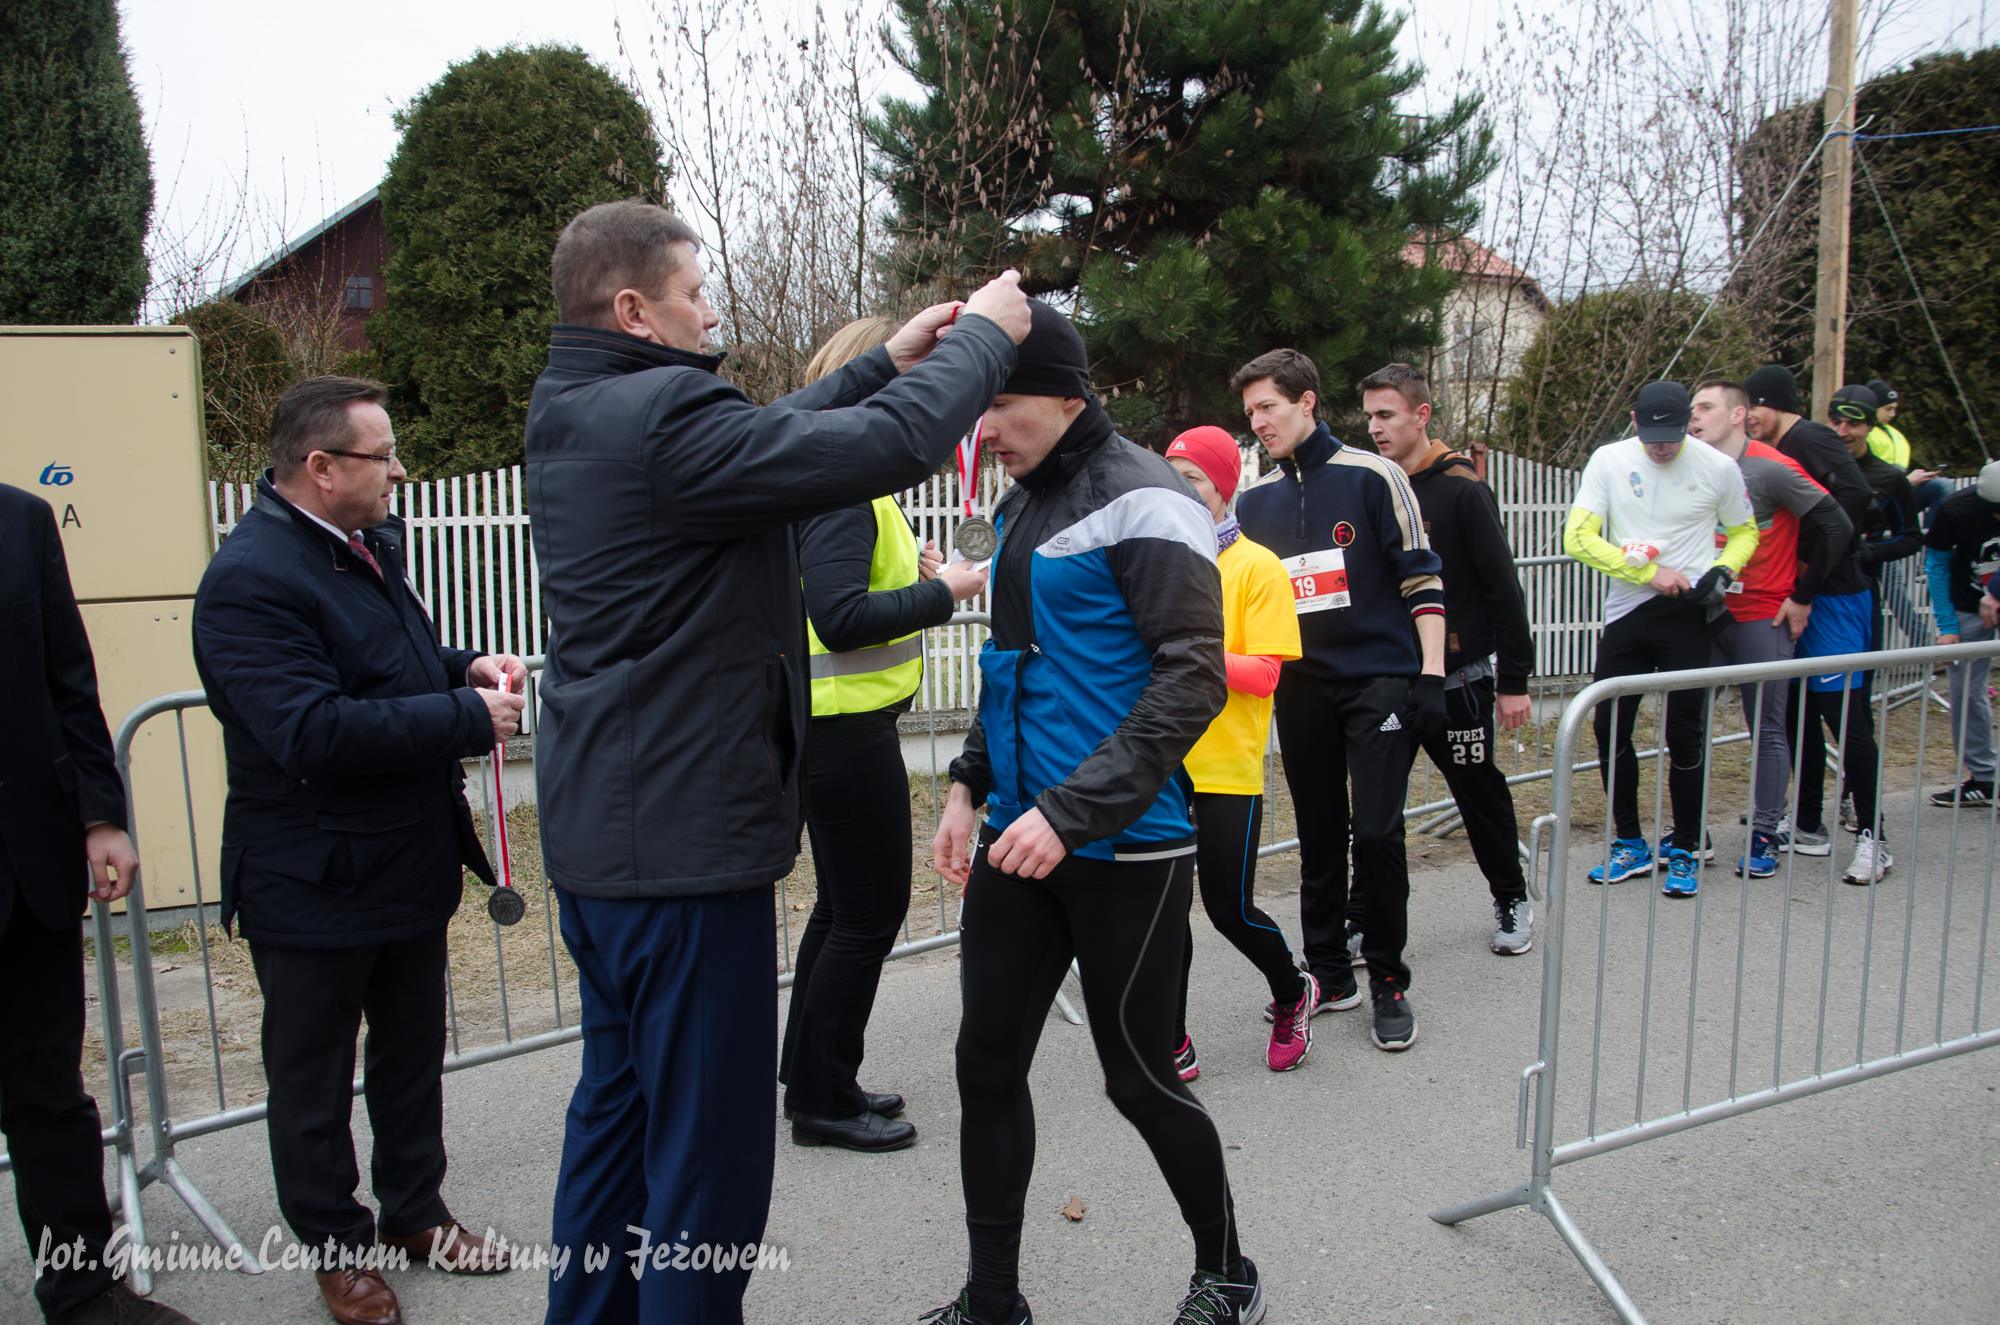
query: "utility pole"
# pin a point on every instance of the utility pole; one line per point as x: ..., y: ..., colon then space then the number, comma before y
x: 1836, y: 185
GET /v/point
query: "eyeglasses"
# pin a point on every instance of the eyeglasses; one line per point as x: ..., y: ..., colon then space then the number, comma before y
x: 384, y: 460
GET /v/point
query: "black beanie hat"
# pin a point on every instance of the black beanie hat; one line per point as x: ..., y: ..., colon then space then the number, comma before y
x: 1051, y: 361
x: 1773, y: 387
x: 1884, y: 393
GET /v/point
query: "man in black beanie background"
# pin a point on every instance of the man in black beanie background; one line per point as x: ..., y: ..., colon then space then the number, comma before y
x: 1104, y: 667
x: 1774, y: 419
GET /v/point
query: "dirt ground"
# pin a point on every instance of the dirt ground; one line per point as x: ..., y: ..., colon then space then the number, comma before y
x: 210, y: 1010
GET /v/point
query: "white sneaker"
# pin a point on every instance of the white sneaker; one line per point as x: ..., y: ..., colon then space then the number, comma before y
x: 1871, y: 860
x: 1513, y: 927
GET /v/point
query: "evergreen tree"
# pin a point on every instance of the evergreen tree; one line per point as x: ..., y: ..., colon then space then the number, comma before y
x: 496, y: 157
x: 1211, y: 179
x: 1938, y: 193
x: 76, y: 188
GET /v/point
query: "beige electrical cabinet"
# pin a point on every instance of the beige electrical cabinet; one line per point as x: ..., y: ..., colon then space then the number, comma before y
x: 105, y: 424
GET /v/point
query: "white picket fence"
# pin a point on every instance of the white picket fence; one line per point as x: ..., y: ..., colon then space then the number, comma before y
x: 1565, y: 601
x: 473, y: 564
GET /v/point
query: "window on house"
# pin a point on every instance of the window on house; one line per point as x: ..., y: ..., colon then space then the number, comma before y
x: 360, y: 293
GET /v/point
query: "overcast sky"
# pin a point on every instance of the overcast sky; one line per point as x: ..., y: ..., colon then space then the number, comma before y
x: 290, y: 105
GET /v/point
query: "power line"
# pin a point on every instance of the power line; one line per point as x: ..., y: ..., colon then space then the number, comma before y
x: 1770, y: 214
x: 1926, y: 133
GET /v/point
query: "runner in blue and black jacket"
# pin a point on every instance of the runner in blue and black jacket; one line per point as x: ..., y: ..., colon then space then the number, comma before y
x: 1104, y: 668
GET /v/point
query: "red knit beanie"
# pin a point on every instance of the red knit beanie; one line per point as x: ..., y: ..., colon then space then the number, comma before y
x: 1214, y: 452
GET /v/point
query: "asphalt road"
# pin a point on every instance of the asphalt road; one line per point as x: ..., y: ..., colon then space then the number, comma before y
x: 1870, y: 1203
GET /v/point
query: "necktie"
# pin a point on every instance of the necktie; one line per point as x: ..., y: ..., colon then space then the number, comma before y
x: 360, y: 549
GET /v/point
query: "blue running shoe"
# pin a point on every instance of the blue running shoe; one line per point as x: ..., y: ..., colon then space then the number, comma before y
x: 1667, y: 844
x: 1683, y: 874
x: 1762, y: 862
x: 1629, y: 856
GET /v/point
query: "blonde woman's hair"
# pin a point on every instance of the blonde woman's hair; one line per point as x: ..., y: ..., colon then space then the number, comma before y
x: 848, y: 344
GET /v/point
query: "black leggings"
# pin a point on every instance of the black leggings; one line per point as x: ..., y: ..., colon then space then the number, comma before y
x: 1124, y: 923
x: 1225, y: 858
x: 1858, y: 757
x: 1665, y: 635
x: 858, y: 812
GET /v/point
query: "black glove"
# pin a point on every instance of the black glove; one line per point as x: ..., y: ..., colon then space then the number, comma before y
x: 1710, y: 589
x: 1424, y: 716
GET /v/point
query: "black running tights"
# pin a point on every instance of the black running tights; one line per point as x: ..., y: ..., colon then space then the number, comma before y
x: 1849, y: 721
x: 1226, y: 829
x: 1124, y: 923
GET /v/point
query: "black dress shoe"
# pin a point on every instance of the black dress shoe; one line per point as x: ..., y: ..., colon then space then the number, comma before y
x: 121, y: 1306
x: 887, y: 1103
x: 868, y: 1132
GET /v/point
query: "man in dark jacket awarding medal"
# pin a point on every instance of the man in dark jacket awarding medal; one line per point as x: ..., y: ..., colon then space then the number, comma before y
x: 673, y: 710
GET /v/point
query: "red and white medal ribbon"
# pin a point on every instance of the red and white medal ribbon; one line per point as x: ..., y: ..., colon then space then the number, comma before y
x: 968, y: 465
x: 500, y: 801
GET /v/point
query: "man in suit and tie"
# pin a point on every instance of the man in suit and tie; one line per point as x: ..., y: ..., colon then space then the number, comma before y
x: 346, y: 831
x: 62, y: 838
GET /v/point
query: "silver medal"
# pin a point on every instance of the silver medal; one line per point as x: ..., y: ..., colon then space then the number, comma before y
x: 975, y: 539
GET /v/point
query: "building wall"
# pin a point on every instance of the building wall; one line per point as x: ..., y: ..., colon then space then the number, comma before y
x: 1488, y: 326
x: 333, y: 283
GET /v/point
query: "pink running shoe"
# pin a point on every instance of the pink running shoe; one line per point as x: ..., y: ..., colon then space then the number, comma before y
x: 1291, y: 1030
x: 1184, y: 1060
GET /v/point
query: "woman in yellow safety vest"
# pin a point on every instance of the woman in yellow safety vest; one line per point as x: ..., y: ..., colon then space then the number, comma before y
x: 870, y: 591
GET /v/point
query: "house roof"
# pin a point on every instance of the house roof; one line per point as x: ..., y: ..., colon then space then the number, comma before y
x: 1472, y: 260
x: 296, y: 246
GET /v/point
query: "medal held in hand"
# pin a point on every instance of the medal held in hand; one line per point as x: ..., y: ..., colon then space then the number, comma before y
x: 975, y: 539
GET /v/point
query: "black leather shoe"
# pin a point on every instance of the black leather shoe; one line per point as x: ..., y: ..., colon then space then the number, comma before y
x: 868, y: 1132
x: 121, y: 1306
x: 887, y: 1103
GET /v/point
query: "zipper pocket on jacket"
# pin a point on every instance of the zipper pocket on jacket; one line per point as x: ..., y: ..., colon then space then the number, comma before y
x: 1020, y: 699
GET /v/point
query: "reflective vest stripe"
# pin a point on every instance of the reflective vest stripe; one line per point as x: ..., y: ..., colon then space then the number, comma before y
x: 873, y: 678
x: 874, y: 658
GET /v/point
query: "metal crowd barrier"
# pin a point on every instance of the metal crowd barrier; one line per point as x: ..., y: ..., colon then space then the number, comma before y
x: 1654, y: 998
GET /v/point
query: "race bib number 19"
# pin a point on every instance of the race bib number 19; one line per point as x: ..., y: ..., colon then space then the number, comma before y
x: 1319, y: 580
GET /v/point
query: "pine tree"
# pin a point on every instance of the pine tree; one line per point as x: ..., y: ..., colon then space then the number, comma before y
x: 1211, y: 180
x: 496, y: 157
x: 76, y: 187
